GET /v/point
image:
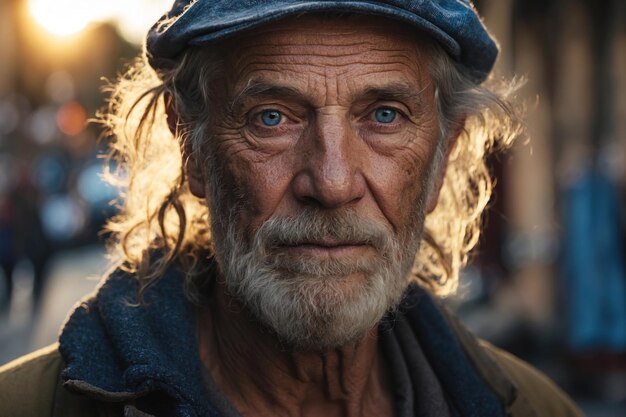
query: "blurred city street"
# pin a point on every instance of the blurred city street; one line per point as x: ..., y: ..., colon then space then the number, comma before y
x: 73, y: 274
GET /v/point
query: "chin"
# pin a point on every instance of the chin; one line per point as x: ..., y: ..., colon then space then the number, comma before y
x: 317, y: 313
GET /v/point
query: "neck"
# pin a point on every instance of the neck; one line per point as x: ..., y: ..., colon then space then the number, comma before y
x: 262, y: 378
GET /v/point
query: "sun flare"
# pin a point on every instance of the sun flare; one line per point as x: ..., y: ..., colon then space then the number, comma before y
x: 63, y: 17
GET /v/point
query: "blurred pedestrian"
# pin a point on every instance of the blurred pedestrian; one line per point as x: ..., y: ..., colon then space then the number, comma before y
x: 32, y: 243
x: 8, y: 248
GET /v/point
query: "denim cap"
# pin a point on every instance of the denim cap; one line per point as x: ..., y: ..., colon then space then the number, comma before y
x: 454, y: 24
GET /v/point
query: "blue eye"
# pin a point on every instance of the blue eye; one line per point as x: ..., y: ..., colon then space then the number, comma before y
x: 271, y: 117
x: 385, y: 115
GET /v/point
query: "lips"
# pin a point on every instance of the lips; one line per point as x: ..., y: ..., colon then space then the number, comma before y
x: 328, y: 247
x: 330, y: 243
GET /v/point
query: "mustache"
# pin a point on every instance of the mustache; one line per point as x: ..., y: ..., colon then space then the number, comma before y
x: 313, y: 226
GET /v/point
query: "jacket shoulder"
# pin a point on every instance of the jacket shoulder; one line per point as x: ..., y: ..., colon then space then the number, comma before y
x: 28, y: 384
x: 543, y: 395
x: 525, y: 391
x: 31, y: 386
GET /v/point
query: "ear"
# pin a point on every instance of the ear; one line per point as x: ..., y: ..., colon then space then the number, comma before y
x: 192, y: 168
x: 433, y: 198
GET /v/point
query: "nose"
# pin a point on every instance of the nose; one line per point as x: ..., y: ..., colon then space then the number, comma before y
x: 331, y: 169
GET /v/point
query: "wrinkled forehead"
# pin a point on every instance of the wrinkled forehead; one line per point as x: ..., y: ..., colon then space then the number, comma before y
x: 329, y: 43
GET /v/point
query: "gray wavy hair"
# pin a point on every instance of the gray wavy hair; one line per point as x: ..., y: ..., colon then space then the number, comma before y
x: 160, y: 222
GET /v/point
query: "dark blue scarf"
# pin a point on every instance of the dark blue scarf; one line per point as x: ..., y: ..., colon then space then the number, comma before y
x: 115, y: 351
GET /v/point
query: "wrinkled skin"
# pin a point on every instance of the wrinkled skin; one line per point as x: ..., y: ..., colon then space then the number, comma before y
x: 335, y: 114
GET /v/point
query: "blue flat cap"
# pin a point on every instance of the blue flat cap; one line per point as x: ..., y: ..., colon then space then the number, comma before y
x: 453, y: 23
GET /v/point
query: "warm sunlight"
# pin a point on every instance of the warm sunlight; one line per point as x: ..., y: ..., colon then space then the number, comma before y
x: 68, y: 17
x: 63, y: 17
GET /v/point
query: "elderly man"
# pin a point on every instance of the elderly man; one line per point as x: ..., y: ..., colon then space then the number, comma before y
x: 300, y: 177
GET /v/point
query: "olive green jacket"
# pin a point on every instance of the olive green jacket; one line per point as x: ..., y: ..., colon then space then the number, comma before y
x: 31, y: 386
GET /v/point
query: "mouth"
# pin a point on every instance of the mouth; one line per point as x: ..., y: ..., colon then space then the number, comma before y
x: 329, y: 248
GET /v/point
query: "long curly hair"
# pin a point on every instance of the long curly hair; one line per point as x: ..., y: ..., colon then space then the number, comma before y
x: 160, y: 222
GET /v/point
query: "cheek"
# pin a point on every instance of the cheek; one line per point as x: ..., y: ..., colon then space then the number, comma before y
x: 396, y: 188
x: 268, y: 186
x: 257, y: 185
x: 398, y: 182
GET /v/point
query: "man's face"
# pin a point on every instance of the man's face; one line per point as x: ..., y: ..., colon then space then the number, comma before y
x: 319, y: 173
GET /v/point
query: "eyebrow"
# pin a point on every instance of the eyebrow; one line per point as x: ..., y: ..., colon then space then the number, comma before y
x: 393, y: 91
x: 256, y: 88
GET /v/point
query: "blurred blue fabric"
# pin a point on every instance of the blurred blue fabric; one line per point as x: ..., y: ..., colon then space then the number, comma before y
x: 594, y: 271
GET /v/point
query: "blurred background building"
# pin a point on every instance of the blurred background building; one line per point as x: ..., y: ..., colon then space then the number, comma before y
x: 548, y: 281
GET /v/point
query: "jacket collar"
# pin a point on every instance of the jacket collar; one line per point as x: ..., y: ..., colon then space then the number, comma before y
x: 500, y: 383
x: 464, y: 382
x: 116, y: 351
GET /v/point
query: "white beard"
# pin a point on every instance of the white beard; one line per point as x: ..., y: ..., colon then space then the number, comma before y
x: 305, y: 301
